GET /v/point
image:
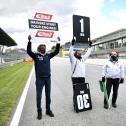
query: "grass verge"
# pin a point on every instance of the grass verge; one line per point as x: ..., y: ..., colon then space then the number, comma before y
x: 12, y: 82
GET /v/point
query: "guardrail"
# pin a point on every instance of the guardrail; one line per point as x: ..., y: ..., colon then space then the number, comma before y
x: 103, y: 61
x: 2, y: 65
x: 107, y: 51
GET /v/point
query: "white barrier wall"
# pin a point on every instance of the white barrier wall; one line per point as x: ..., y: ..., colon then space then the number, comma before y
x: 102, y: 61
x: 5, y: 64
x: 97, y: 61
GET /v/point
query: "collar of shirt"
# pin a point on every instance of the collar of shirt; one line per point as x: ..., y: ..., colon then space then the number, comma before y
x: 42, y: 54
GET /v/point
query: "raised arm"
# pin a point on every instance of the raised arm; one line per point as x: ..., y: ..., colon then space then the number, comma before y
x: 87, y: 54
x: 71, y: 51
x: 52, y: 54
x: 29, y: 51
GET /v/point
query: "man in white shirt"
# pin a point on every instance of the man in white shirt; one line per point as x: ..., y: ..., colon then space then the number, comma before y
x: 78, y: 63
x: 113, y: 74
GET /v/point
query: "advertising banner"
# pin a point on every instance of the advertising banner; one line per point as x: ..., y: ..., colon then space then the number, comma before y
x: 42, y: 27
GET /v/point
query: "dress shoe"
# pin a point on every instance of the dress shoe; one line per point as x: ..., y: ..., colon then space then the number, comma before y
x: 50, y: 113
x: 106, y: 106
x: 39, y: 115
x: 114, y: 105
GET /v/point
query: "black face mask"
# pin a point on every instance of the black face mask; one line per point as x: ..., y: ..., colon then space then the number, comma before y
x: 114, y: 58
x: 78, y: 57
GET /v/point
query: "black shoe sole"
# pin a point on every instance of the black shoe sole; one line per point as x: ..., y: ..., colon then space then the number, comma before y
x: 106, y: 106
x: 39, y: 118
x: 114, y: 106
x: 50, y: 115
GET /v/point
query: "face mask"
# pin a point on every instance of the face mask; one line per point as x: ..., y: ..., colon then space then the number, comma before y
x: 78, y: 57
x: 114, y: 58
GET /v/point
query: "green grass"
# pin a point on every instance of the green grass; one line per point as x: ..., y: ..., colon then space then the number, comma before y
x: 12, y: 82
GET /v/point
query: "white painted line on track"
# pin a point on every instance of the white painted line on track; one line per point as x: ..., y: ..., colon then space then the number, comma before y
x: 17, y: 114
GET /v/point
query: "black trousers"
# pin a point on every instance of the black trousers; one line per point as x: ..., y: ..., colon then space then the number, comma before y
x: 77, y: 80
x: 109, y: 84
x: 40, y: 82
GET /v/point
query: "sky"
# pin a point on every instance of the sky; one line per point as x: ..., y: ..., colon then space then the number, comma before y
x: 105, y: 16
